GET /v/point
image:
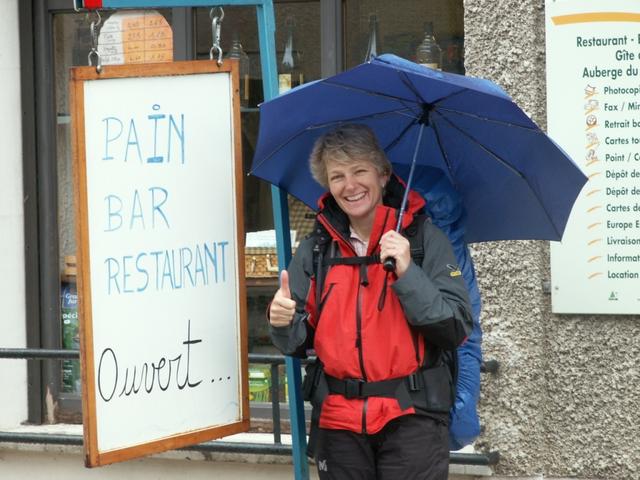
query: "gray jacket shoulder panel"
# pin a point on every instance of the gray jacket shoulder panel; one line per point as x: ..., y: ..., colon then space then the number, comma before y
x: 434, y: 295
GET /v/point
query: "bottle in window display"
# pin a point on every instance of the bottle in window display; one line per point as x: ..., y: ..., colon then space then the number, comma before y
x: 372, y: 47
x: 428, y: 52
x: 70, y: 331
x: 237, y: 52
x: 290, y: 74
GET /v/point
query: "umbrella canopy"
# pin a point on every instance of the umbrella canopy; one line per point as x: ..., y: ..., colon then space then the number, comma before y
x: 514, y: 181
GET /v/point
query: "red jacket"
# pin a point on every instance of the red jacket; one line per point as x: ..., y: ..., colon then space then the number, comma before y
x: 353, y: 337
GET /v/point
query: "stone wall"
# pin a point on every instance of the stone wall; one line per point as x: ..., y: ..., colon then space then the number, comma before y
x: 566, y: 399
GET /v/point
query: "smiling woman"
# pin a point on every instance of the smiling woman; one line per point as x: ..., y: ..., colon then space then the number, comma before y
x: 369, y: 326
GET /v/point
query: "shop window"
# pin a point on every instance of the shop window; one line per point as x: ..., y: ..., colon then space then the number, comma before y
x: 401, y: 27
x: 397, y: 27
x: 71, y: 45
x: 298, y: 60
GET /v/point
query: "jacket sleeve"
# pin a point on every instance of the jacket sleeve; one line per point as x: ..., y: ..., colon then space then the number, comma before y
x: 435, y: 298
x: 297, y: 337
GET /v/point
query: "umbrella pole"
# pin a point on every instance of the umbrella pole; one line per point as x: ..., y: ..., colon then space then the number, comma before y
x: 390, y: 263
x: 405, y: 198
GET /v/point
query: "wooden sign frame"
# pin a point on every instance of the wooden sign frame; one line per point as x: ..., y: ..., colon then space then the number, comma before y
x: 94, y: 456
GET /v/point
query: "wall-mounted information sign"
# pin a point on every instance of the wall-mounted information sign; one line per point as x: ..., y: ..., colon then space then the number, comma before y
x: 593, y: 95
x: 161, y: 269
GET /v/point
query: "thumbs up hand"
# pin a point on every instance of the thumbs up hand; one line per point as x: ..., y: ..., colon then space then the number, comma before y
x: 282, y: 306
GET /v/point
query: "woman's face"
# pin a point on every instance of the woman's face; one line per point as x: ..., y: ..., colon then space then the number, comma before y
x: 357, y: 187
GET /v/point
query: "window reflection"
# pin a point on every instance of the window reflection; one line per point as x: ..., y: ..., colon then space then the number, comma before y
x: 401, y: 28
x: 298, y: 53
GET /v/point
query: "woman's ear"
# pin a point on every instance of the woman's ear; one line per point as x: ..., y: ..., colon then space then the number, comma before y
x: 384, y: 179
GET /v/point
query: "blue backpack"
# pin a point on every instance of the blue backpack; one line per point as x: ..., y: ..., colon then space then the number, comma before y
x: 444, y: 207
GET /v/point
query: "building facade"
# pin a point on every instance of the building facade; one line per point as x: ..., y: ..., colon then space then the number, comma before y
x: 564, y: 400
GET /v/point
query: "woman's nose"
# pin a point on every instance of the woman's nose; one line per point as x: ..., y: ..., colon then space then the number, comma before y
x: 350, y: 182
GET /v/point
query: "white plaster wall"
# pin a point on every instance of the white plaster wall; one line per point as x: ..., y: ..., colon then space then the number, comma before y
x: 566, y: 399
x: 13, y: 408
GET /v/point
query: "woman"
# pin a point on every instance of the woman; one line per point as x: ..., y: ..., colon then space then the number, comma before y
x: 384, y: 339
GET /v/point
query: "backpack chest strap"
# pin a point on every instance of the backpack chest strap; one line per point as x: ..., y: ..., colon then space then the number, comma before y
x: 368, y: 260
x: 361, y: 261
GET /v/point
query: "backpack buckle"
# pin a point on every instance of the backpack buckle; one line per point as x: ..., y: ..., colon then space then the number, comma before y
x: 414, y: 385
x: 353, y: 388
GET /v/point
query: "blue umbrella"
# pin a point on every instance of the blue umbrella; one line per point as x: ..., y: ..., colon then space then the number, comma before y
x: 514, y: 181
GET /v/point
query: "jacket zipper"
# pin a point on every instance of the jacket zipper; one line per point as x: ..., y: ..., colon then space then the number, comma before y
x: 360, y: 353
x: 328, y: 225
x: 364, y: 416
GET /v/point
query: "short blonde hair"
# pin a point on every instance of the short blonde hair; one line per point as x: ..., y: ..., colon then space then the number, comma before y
x: 345, y: 144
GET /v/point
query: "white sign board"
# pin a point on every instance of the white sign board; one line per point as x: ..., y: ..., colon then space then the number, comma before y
x: 160, y: 233
x: 593, y: 105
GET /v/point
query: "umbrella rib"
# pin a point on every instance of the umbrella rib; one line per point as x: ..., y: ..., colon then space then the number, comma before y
x: 487, y: 119
x: 410, y: 85
x: 323, y: 125
x: 370, y: 92
x: 396, y: 140
x: 503, y: 162
x: 361, y: 117
x: 493, y: 154
x: 447, y: 97
x: 442, y: 151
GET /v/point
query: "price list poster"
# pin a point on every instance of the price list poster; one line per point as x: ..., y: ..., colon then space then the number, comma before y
x: 593, y: 108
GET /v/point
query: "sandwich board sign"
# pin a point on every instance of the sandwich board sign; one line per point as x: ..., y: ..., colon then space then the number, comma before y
x: 158, y: 176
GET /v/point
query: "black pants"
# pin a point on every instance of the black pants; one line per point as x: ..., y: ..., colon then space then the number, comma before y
x: 411, y: 447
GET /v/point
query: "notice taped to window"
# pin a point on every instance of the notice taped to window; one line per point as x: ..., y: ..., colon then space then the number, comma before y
x: 593, y: 95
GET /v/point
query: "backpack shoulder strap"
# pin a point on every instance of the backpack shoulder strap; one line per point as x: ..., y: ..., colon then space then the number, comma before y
x: 415, y: 234
x: 322, y: 241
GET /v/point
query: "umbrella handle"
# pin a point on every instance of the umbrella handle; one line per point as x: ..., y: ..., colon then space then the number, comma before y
x: 389, y: 264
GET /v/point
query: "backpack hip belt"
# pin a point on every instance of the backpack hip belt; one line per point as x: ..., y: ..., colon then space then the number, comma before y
x: 398, y: 388
x: 430, y: 389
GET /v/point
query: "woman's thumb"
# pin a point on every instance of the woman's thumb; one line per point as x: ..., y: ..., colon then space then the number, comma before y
x: 284, y: 284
